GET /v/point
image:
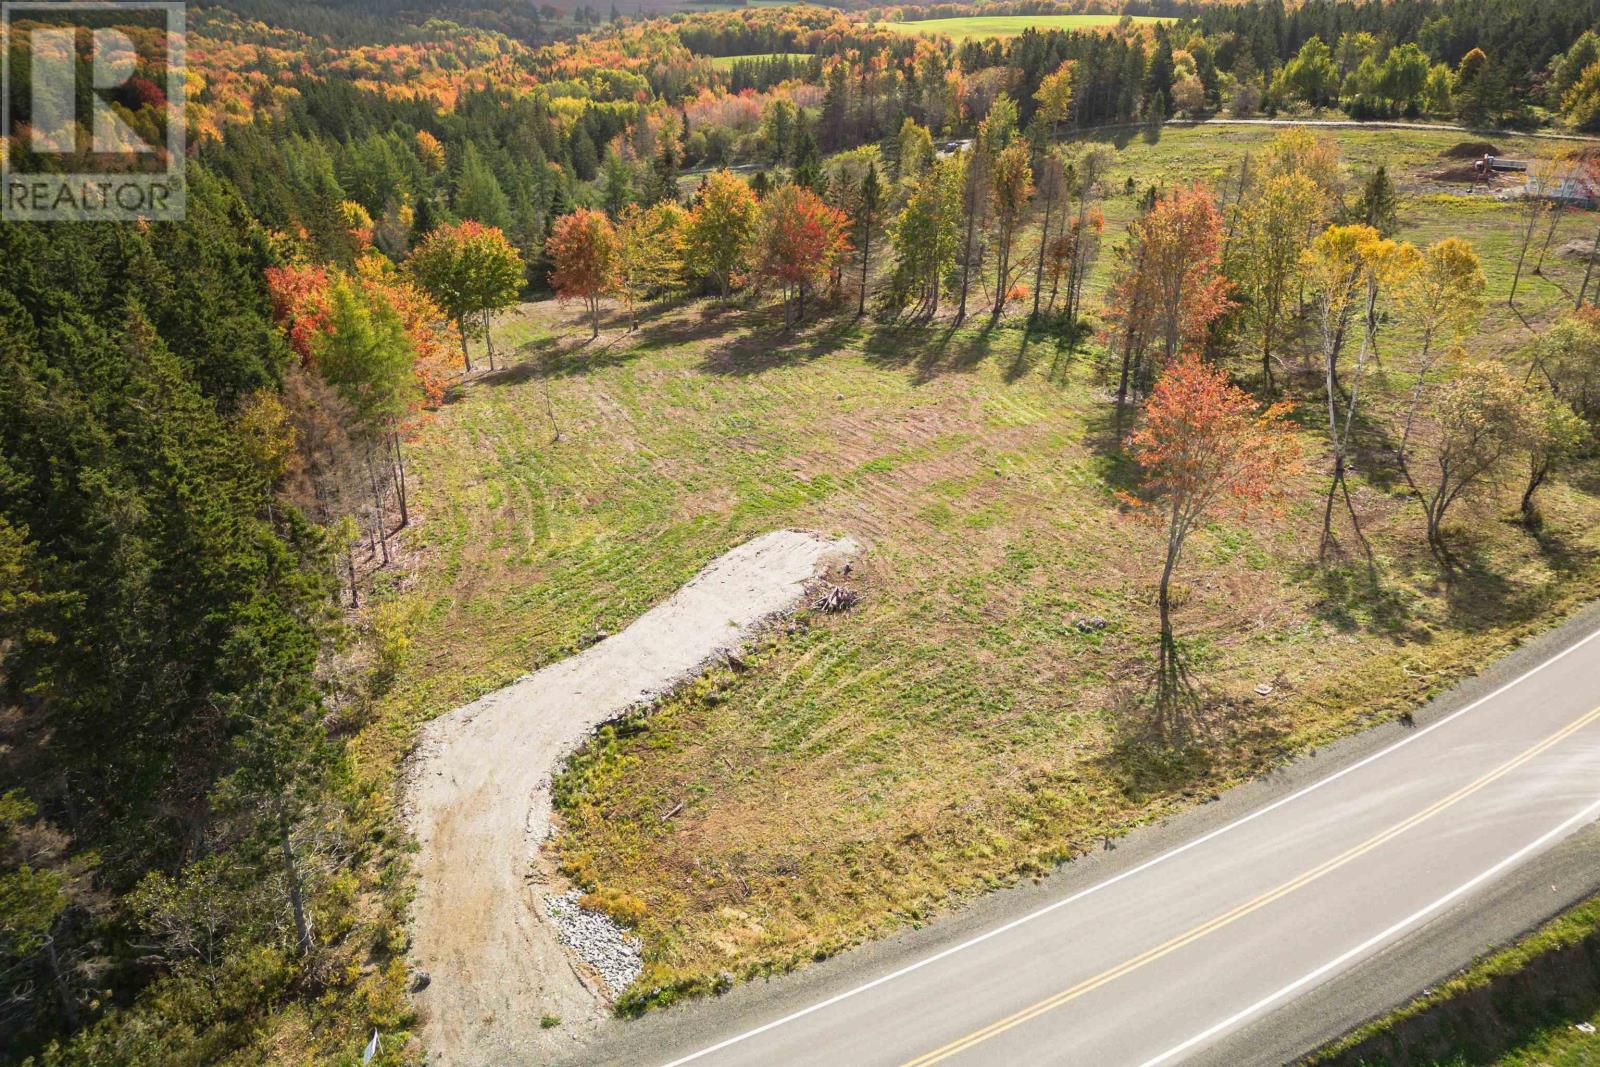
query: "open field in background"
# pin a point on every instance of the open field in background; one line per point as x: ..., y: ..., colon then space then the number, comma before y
x: 982, y: 27
x: 956, y: 730
x: 1429, y: 209
x: 727, y: 62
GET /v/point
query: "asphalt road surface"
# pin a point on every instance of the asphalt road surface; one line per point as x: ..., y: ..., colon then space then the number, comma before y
x: 1190, y: 946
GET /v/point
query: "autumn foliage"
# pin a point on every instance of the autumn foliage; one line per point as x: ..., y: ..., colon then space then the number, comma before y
x: 1205, y: 448
x: 582, y: 248
x: 798, y: 241
x: 301, y: 305
x: 1169, y: 287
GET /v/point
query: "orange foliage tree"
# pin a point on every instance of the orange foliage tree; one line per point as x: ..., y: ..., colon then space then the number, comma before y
x: 1204, y: 448
x: 300, y: 304
x: 1169, y: 287
x: 799, y: 239
x: 583, y: 248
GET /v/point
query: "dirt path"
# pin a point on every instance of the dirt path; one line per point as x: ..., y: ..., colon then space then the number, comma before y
x: 479, y: 804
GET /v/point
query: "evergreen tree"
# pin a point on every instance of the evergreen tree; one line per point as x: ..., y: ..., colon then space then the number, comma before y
x: 478, y: 193
x: 1378, y: 206
x: 807, y: 166
x: 585, y: 160
x: 664, y: 173
x: 618, y: 185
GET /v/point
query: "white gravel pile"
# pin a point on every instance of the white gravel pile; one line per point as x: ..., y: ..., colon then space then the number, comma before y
x: 597, y: 939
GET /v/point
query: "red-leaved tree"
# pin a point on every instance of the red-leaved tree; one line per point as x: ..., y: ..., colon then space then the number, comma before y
x: 1205, y: 449
x: 582, y: 247
x: 1169, y: 286
x: 799, y: 239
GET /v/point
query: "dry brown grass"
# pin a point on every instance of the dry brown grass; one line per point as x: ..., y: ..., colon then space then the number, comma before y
x: 956, y: 730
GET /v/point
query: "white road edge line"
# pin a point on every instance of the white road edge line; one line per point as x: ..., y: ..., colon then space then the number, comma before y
x: 1586, y: 815
x: 1141, y: 868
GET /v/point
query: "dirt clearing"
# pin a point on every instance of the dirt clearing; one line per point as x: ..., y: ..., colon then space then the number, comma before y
x: 480, y: 803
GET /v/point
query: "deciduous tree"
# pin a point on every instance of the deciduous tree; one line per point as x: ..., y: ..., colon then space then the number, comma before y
x: 582, y: 248
x: 1169, y: 287
x: 1269, y: 235
x: 1482, y: 418
x: 471, y: 271
x: 1554, y: 434
x: 926, y: 237
x: 1010, y: 189
x: 649, y: 253
x: 1443, y: 297
x: 720, y: 227
x: 798, y: 239
x: 1205, y: 448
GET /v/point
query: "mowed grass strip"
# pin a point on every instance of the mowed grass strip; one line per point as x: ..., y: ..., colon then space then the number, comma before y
x: 957, y: 730
x: 727, y: 62
x: 983, y: 27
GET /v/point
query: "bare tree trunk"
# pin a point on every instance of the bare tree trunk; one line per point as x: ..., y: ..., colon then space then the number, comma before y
x: 1416, y: 399
x: 297, y: 905
x: 1527, y: 239
x: 488, y: 334
x: 966, y: 250
x: 378, y: 510
x: 1266, y: 356
x: 1530, y: 508
x: 466, y: 355
x: 400, y: 480
x: 1002, y: 272
x: 1588, y: 270
x: 866, y: 253
x: 1044, y: 244
x: 1550, y: 234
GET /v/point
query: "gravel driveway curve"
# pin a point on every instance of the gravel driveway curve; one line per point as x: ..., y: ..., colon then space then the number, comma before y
x: 479, y: 804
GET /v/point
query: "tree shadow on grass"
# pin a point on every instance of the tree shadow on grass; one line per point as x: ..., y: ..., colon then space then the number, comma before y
x: 553, y: 357
x: 768, y: 347
x: 1350, y: 602
x: 1105, y: 433
x: 1480, y: 597
x: 1060, y: 339
x: 1219, y: 735
x: 1038, y: 340
x: 691, y: 322
x: 929, y: 349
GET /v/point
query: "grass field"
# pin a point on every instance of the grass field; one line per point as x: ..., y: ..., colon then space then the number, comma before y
x: 956, y: 731
x: 982, y: 27
x: 727, y: 62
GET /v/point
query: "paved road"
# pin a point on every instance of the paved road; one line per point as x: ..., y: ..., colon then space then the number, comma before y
x: 1176, y: 956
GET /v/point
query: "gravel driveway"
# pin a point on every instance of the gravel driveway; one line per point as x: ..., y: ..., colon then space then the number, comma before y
x: 479, y: 804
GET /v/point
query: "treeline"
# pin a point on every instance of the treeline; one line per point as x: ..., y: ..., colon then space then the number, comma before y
x: 203, y: 443
x: 401, y: 21
x: 163, y: 615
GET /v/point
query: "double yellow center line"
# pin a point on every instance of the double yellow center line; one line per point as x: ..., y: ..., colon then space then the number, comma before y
x: 1212, y: 925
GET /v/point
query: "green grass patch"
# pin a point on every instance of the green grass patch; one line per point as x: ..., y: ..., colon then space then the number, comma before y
x: 983, y: 27
x: 956, y: 731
